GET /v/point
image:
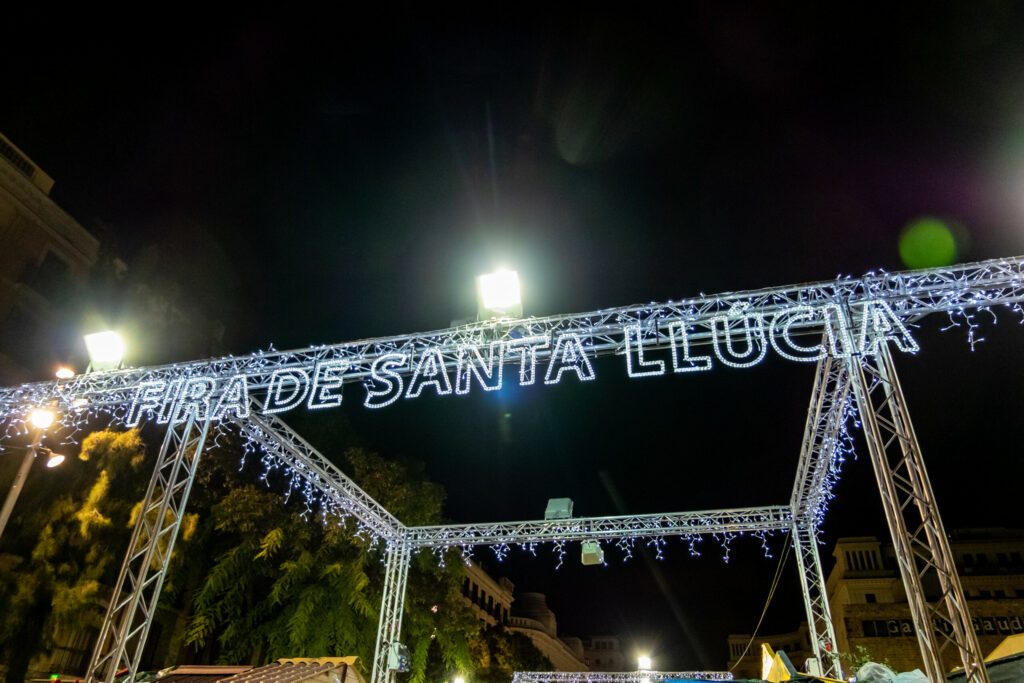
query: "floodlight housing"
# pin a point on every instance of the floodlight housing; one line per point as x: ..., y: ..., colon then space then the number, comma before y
x: 498, y: 295
x: 54, y: 460
x: 558, y: 508
x: 106, y: 350
x: 591, y: 553
x: 41, y: 418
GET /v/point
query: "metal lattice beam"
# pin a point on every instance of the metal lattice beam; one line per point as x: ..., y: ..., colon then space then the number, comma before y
x: 919, y: 538
x: 133, y: 603
x: 340, y: 495
x: 389, y: 627
x: 818, y: 466
x: 819, y: 615
x: 768, y: 518
x: 616, y: 676
x: 911, y: 295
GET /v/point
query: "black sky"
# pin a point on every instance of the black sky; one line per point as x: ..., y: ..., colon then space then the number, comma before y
x: 334, y: 179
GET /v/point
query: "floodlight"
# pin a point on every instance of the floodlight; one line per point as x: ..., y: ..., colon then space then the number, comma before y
x: 592, y: 553
x: 41, y: 418
x: 106, y: 350
x: 498, y: 295
x: 643, y: 663
x: 54, y: 460
x: 64, y: 372
x: 459, y: 679
x: 558, y: 508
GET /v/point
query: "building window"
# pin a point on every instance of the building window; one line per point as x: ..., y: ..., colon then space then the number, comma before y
x: 968, y: 560
x: 985, y: 594
x: 1016, y: 559
x: 982, y: 558
x: 1002, y: 559
x: 870, y: 597
x: 999, y: 594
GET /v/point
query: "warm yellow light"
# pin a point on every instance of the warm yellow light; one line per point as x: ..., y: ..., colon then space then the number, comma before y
x: 65, y: 372
x: 41, y: 418
x: 55, y: 460
x: 106, y: 350
x: 459, y: 679
x: 643, y: 663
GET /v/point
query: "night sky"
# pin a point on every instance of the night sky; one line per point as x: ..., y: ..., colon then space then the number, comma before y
x: 309, y: 180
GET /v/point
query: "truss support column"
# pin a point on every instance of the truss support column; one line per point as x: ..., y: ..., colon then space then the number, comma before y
x: 919, y: 538
x: 389, y: 628
x: 133, y: 603
x: 812, y: 583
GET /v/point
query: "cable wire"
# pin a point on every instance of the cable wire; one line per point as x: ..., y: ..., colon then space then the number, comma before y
x: 783, y: 556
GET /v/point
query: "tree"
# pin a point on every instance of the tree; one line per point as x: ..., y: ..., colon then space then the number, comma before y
x: 286, y: 585
x: 79, y: 538
x: 499, y: 653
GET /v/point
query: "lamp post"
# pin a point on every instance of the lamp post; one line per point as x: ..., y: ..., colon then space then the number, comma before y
x: 41, y: 418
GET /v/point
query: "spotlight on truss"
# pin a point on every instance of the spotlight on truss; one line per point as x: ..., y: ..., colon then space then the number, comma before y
x: 558, y: 508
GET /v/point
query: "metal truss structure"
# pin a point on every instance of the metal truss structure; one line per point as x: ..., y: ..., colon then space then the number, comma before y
x: 911, y: 295
x: 737, y: 520
x: 617, y: 676
x: 132, y: 606
x: 919, y: 538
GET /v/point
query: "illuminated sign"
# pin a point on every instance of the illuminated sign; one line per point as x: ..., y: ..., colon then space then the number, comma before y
x: 738, y: 340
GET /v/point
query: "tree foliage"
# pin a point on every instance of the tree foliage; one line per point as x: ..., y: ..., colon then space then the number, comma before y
x: 79, y: 539
x: 284, y: 585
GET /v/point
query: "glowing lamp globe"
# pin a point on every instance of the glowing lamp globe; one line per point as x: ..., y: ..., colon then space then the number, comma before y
x: 498, y: 295
x: 106, y: 350
x: 41, y: 418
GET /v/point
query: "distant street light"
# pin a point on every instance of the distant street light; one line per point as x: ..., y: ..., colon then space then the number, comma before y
x: 64, y: 372
x: 498, y: 295
x: 106, y: 350
x: 41, y: 419
x: 643, y: 663
x: 459, y: 679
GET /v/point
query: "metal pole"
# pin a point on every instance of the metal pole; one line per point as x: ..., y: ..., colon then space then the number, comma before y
x: 19, y: 481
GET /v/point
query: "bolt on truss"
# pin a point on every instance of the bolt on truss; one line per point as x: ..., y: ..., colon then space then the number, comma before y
x: 919, y: 538
x: 133, y: 604
x: 911, y: 295
x: 389, y: 627
x: 768, y: 518
x: 616, y: 676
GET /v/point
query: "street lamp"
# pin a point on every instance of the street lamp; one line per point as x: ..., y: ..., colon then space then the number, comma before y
x: 64, y: 372
x: 41, y: 419
x: 106, y: 350
x: 459, y: 679
x: 643, y: 663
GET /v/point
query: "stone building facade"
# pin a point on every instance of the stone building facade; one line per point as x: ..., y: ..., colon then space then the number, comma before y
x: 869, y: 605
x: 45, y: 257
x: 492, y: 601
